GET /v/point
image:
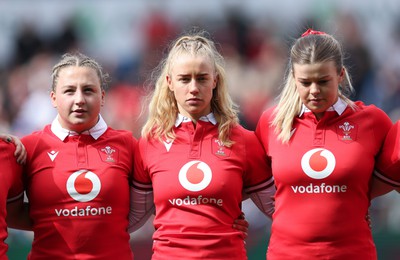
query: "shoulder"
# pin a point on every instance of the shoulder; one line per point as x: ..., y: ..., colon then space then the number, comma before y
x: 371, y: 113
x: 370, y: 110
x: 6, y: 148
x: 393, y: 138
x: 149, y: 148
x: 246, y: 136
x: 240, y: 130
x: 374, y: 118
x: 268, y: 114
x: 125, y: 134
x: 36, y: 135
x: 388, y: 162
x: 143, y: 143
x: 8, y: 162
x: 119, y: 132
x: 265, y: 121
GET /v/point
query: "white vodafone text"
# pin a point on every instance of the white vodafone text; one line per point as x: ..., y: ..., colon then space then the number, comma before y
x: 321, y: 188
x: 82, y: 212
x: 195, y: 201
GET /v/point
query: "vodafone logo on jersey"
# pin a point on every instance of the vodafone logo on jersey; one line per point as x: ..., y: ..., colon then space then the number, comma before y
x: 83, y: 185
x: 318, y: 163
x: 195, y: 176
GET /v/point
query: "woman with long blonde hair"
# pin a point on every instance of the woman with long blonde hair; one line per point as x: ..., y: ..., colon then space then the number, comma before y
x: 197, y: 158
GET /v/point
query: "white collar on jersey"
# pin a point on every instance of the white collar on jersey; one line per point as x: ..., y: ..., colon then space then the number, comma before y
x: 207, y: 118
x: 62, y: 133
x: 339, y: 107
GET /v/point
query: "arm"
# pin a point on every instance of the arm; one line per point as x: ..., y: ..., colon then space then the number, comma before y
x: 141, y: 200
x: 387, y: 165
x: 18, y: 214
x: 241, y: 224
x: 264, y: 200
x: 20, y: 151
x: 379, y: 188
x: 259, y: 173
x: 141, y: 207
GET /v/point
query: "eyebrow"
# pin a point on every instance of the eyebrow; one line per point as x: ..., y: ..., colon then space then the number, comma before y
x: 318, y: 78
x: 197, y: 74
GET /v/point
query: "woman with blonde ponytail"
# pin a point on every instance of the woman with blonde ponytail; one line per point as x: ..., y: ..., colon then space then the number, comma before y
x: 322, y: 147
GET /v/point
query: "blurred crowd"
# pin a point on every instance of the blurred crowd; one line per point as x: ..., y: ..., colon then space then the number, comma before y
x: 255, y: 48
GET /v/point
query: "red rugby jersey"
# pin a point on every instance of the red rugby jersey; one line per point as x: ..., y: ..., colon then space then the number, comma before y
x: 78, y: 189
x: 11, y: 188
x: 198, y: 185
x: 388, y: 163
x: 322, y: 178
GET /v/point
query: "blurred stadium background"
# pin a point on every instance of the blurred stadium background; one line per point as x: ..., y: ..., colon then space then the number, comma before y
x: 130, y: 37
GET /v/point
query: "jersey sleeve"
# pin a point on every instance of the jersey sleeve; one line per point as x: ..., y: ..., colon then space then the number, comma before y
x: 382, y: 123
x: 258, y: 173
x: 141, y: 207
x: 132, y: 142
x: 264, y: 199
x: 388, y: 161
x: 12, y: 171
x: 263, y: 128
x: 141, y: 177
x: 141, y: 192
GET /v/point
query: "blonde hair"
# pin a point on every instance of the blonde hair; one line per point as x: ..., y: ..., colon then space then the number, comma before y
x: 311, y: 49
x: 80, y: 60
x: 163, y: 109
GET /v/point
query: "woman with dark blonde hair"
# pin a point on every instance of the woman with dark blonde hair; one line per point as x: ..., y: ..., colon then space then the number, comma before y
x: 322, y: 147
x: 197, y: 159
x: 77, y: 173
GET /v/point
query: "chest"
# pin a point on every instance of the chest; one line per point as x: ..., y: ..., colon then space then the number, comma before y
x: 187, y: 167
x: 340, y: 152
x: 77, y: 171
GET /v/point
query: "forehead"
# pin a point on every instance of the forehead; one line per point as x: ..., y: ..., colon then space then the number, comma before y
x: 314, y: 69
x: 76, y: 74
x: 187, y: 63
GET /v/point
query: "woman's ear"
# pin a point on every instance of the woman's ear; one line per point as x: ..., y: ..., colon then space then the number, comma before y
x: 103, y: 97
x: 169, y: 80
x: 342, y: 74
x: 216, y: 81
x: 53, y: 99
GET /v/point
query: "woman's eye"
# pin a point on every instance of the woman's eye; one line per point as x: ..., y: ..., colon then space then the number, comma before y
x: 322, y: 82
x: 184, y: 79
x: 305, y: 84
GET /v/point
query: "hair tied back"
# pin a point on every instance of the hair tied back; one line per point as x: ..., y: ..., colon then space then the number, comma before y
x: 311, y: 32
